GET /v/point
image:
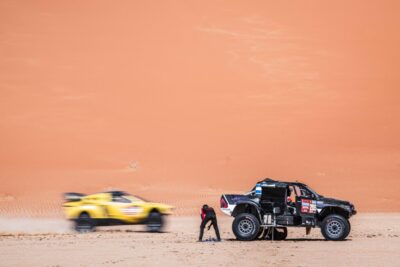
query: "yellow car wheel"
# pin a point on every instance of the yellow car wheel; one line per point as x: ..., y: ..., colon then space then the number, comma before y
x: 84, y: 223
x: 155, y: 222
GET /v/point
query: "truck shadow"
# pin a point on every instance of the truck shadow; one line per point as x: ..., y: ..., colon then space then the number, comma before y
x: 289, y: 240
x: 305, y: 239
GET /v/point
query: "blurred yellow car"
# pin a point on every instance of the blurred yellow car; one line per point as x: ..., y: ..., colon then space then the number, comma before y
x: 113, y: 208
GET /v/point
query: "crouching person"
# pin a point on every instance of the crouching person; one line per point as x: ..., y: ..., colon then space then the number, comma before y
x: 208, y: 215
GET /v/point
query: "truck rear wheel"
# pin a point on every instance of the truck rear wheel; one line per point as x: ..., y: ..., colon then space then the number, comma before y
x: 246, y: 227
x: 335, y: 227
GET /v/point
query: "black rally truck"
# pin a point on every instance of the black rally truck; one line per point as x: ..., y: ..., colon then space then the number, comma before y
x: 272, y: 206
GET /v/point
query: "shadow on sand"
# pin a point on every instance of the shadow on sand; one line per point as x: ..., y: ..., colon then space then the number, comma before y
x: 289, y: 239
x: 130, y: 231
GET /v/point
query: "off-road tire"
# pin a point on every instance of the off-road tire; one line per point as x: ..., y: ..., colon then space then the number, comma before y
x: 155, y: 222
x: 349, y: 228
x: 246, y: 227
x: 335, y: 227
x: 84, y: 223
x: 280, y: 233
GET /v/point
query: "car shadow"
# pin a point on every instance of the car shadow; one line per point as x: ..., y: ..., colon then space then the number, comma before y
x: 130, y: 231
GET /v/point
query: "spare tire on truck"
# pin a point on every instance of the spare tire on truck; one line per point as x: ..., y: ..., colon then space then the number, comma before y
x: 280, y: 233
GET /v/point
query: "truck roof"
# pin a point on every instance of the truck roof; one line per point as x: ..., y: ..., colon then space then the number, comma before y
x: 275, y: 183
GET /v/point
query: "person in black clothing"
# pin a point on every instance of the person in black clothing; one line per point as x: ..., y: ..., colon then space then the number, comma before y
x: 207, y: 215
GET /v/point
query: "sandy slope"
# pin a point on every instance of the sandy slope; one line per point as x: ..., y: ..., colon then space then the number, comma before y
x: 374, y: 241
x: 180, y: 101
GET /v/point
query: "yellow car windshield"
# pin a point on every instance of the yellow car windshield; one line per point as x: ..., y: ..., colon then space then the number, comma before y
x: 134, y: 198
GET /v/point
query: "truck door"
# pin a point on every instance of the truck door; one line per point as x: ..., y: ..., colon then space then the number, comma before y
x: 306, y: 205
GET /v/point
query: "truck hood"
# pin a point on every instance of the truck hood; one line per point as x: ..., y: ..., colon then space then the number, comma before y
x: 328, y: 200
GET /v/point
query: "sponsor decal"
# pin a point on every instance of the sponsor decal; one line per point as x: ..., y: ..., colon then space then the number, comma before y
x: 238, y: 198
x: 258, y: 190
x: 313, y: 207
x: 308, y: 206
x: 132, y: 210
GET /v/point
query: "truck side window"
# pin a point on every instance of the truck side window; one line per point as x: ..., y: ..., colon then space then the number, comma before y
x: 293, y: 193
x: 305, y: 193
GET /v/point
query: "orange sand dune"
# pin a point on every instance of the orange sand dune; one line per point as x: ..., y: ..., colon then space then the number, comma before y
x: 180, y: 101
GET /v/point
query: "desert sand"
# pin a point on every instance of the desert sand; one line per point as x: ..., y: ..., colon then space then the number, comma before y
x: 374, y: 241
x: 180, y: 101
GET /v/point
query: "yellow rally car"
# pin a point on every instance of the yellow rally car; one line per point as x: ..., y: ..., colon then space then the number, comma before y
x: 113, y: 208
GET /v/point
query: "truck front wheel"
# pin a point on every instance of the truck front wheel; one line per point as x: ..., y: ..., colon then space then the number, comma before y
x: 246, y: 227
x: 335, y: 227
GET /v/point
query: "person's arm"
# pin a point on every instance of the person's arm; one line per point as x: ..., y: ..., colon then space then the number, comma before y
x: 211, y: 223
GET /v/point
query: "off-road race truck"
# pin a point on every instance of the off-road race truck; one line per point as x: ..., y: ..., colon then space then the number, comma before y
x: 272, y: 206
x: 113, y: 208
